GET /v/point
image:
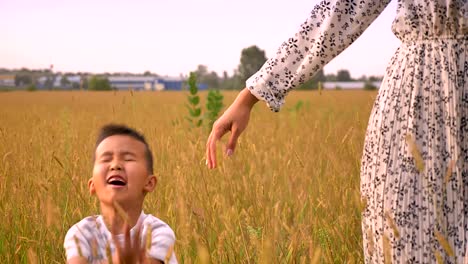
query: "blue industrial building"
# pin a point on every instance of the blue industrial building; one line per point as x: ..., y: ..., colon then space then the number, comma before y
x: 150, y: 83
x: 128, y: 82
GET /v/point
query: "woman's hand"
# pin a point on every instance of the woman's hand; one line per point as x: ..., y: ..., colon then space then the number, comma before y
x: 234, y: 119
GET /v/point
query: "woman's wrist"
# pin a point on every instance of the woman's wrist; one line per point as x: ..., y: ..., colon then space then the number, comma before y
x: 246, y: 98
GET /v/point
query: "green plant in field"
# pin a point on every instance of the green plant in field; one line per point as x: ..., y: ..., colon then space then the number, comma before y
x: 31, y: 88
x: 194, y: 102
x: 214, y: 104
x: 369, y: 86
x: 324, y: 238
x: 254, y: 231
x: 97, y: 83
x: 297, y: 107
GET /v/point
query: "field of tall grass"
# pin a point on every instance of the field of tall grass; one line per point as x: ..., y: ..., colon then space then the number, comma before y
x: 290, y: 194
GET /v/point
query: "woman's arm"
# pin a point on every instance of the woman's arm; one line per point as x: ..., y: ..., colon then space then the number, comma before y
x: 331, y: 27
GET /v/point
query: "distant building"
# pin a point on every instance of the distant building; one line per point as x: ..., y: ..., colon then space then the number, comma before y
x: 132, y: 82
x: 7, y: 80
x: 72, y: 81
x: 149, y: 83
x: 170, y: 83
x: 42, y: 82
x: 137, y: 83
x: 348, y: 85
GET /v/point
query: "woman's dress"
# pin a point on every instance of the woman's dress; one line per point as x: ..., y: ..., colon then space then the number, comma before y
x: 414, y: 174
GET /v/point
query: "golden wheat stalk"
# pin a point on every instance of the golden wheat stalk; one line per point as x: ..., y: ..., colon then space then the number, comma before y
x: 170, y: 250
x: 32, y: 256
x: 316, y: 257
x: 350, y: 130
x: 94, y: 248
x: 444, y: 243
x: 121, y: 212
x: 362, y: 204
x: 449, y: 173
x: 149, y: 237
x: 387, y: 250
x: 415, y: 153
x: 78, y: 246
x: 392, y: 224
x: 108, y: 253
x: 438, y: 257
x: 370, y: 238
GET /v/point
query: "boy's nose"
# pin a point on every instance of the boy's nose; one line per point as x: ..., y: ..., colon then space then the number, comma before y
x: 116, y: 166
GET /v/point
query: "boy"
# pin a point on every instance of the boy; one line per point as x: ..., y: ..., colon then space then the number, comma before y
x: 122, y: 176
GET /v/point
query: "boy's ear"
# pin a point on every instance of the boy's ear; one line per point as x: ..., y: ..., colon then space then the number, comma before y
x: 92, y: 190
x: 151, y: 182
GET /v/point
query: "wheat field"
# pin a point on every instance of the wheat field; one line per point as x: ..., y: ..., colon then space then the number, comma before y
x: 290, y: 194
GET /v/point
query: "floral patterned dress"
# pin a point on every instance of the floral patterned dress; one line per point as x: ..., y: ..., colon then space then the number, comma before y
x: 414, y: 174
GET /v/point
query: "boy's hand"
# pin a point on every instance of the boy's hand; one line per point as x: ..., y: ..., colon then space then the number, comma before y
x: 131, y: 252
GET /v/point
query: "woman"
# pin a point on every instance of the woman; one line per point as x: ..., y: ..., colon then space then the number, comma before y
x: 414, y: 173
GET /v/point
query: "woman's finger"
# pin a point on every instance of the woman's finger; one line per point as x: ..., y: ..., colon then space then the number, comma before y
x: 231, y: 145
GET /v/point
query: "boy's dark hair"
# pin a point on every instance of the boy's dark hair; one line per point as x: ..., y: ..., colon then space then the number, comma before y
x: 116, y: 129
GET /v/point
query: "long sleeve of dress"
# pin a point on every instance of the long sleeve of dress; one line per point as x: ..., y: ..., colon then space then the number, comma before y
x: 331, y: 28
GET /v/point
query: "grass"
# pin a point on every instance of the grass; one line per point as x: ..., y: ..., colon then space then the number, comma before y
x: 290, y: 194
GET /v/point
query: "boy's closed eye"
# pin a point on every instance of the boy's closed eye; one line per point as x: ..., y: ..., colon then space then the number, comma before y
x: 105, y: 157
x: 128, y: 156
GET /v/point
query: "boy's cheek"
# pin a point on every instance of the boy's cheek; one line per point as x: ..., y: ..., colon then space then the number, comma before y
x: 97, y: 168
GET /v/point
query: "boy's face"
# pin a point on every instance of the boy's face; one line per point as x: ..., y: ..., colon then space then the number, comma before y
x: 120, y: 171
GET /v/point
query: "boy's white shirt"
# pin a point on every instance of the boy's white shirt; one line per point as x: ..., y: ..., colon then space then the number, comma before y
x: 91, y: 234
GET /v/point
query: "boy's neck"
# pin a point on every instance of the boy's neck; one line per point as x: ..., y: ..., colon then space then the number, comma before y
x: 115, y: 223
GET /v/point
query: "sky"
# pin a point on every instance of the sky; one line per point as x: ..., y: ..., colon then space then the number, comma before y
x: 168, y: 37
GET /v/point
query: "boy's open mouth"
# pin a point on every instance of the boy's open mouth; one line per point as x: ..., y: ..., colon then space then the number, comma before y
x: 117, y: 181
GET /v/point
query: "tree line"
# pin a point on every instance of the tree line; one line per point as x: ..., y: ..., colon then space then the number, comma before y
x: 252, y: 59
